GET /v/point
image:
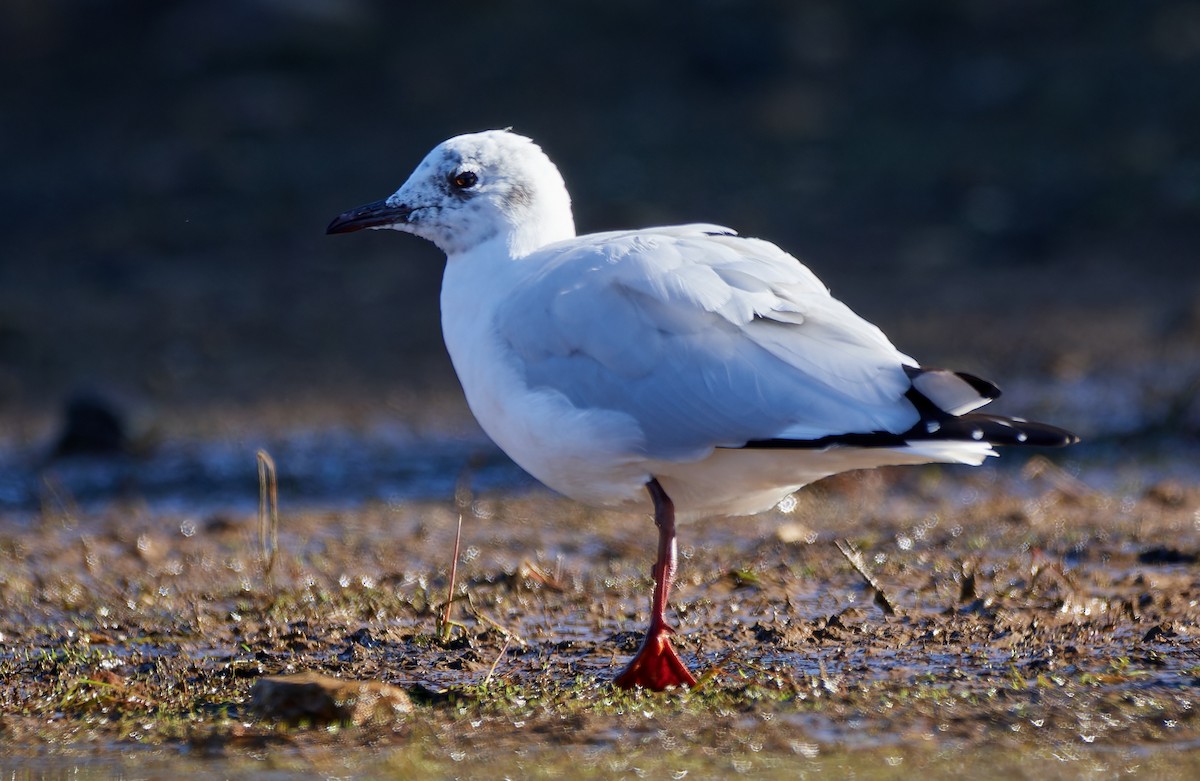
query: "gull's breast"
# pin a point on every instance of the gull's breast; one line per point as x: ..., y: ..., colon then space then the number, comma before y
x: 592, y: 455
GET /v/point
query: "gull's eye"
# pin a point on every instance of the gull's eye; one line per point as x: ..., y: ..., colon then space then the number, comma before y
x: 464, y: 180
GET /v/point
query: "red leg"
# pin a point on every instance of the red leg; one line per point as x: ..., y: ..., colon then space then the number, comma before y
x: 656, y: 665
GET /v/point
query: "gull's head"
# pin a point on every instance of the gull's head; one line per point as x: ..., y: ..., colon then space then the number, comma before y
x: 473, y: 189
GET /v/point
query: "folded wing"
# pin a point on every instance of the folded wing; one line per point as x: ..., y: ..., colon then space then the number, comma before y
x: 707, y: 339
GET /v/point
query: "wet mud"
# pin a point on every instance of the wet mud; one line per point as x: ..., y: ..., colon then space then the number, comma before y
x: 1014, y: 606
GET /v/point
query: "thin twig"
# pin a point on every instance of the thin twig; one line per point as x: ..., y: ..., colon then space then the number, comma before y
x: 856, y: 560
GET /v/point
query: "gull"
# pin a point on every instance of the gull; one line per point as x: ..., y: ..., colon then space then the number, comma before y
x: 710, y: 373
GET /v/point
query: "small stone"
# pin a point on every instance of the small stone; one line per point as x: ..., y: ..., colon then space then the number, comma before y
x: 1159, y: 633
x: 93, y: 426
x: 321, y: 699
x: 1167, y: 493
x: 1165, y: 555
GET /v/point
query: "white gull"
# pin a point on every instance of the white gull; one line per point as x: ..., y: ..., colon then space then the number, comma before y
x: 709, y: 373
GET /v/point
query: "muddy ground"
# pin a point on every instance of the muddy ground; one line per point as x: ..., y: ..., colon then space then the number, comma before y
x: 1036, y: 619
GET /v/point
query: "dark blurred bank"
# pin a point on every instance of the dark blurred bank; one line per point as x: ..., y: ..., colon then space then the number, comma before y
x: 1014, y: 185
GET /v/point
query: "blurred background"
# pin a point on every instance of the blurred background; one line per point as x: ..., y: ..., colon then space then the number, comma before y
x: 1009, y: 188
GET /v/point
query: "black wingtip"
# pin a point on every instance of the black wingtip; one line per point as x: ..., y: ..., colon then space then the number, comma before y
x: 972, y: 427
x: 996, y: 430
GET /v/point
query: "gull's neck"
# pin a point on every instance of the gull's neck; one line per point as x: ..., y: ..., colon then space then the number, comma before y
x: 536, y: 224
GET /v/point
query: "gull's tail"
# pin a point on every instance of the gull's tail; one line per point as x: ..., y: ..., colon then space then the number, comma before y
x: 946, y: 400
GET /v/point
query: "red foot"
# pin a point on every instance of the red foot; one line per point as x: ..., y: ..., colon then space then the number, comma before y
x: 656, y: 665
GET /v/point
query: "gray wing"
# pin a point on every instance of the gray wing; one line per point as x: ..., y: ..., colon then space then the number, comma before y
x: 704, y: 338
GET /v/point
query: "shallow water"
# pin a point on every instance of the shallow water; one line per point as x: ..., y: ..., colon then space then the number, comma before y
x: 338, y: 468
x: 333, y: 468
x: 1139, y: 427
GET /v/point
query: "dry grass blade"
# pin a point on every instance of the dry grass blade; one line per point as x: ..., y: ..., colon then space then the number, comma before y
x: 830, y: 683
x: 268, y: 511
x: 716, y: 669
x: 482, y: 617
x: 1062, y: 480
x: 856, y: 560
x: 532, y: 572
x: 499, y: 656
x: 55, y: 495
x: 464, y: 496
x: 463, y: 499
x: 968, y: 590
x: 444, y: 629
